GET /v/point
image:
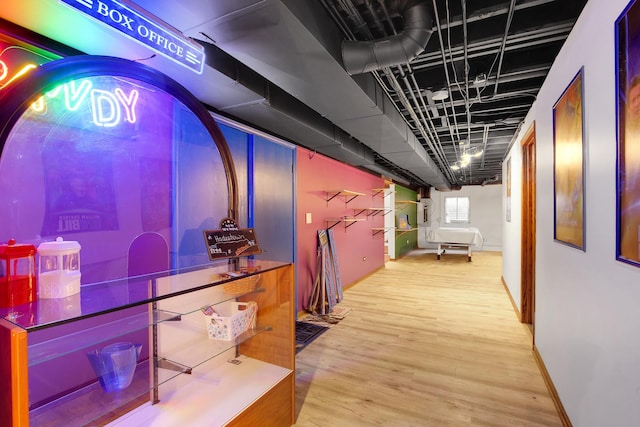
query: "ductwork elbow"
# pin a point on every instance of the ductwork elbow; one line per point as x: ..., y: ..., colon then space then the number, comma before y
x: 361, y: 57
x: 491, y: 180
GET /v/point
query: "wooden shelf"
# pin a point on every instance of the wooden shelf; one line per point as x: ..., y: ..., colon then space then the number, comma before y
x: 378, y: 230
x: 405, y: 230
x: 348, y: 195
x: 377, y: 191
x: 348, y: 222
x: 371, y: 211
x: 225, y: 384
x: 405, y: 203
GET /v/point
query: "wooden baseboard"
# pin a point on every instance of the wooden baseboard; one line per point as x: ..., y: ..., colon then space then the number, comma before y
x: 364, y: 277
x: 566, y: 422
x: 513, y: 303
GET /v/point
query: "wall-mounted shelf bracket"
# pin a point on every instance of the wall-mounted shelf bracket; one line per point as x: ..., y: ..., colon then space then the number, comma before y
x: 379, y: 230
x: 376, y: 211
x: 347, y: 194
x: 377, y: 191
x: 371, y: 211
x: 348, y: 222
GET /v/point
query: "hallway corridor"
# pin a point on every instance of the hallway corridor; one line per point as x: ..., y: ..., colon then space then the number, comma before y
x: 427, y: 343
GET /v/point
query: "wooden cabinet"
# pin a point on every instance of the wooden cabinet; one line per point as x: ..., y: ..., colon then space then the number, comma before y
x: 183, y: 378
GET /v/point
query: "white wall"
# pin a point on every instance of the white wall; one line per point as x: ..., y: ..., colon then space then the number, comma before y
x: 390, y: 221
x: 485, y: 209
x: 511, y: 242
x: 587, y: 319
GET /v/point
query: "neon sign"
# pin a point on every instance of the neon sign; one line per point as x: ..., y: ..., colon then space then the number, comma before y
x: 158, y: 36
x: 16, y: 61
x: 107, y: 107
x: 4, y: 73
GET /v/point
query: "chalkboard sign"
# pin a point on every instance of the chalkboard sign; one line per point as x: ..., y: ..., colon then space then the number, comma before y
x: 231, y: 241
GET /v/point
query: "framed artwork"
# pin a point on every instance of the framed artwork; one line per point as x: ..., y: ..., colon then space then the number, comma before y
x: 628, y: 130
x: 568, y: 165
x: 508, y: 213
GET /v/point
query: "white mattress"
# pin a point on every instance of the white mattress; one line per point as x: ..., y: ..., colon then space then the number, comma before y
x: 465, y: 236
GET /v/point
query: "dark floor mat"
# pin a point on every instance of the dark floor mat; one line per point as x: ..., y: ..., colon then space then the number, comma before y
x: 307, y: 332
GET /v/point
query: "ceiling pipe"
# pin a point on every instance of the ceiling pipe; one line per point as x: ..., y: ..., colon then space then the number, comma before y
x: 492, y: 180
x: 430, y: 124
x: 491, y: 12
x: 425, y: 126
x: 467, y: 105
x: 424, y: 131
x: 335, y: 14
x: 365, y: 56
x: 485, y: 139
x: 393, y: 81
x: 431, y: 139
x: 532, y: 38
x: 502, y: 46
x: 452, y: 127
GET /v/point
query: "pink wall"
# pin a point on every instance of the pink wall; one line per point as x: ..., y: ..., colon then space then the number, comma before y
x: 315, y: 175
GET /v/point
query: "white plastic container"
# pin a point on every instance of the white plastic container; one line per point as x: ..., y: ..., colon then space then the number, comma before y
x: 58, y: 268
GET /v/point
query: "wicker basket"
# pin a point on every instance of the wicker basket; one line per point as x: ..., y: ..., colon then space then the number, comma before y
x: 229, y: 319
x: 243, y: 286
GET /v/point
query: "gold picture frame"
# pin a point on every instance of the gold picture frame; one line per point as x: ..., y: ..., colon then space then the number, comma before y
x: 568, y: 165
x: 628, y: 121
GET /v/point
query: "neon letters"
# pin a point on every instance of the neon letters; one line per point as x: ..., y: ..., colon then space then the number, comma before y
x: 108, y: 108
x: 5, y: 73
x: 143, y: 29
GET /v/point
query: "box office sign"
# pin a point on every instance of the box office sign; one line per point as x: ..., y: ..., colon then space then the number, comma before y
x: 155, y: 35
x: 231, y: 241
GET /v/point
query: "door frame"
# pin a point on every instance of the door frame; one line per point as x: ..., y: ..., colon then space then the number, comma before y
x: 528, y: 229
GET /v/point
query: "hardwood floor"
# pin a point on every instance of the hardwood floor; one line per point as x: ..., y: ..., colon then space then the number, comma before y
x: 427, y: 343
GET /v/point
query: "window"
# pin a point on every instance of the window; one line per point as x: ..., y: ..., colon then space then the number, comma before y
x: 456, y: 210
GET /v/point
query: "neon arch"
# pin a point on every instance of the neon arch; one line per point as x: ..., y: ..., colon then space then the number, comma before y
x: 104, y: 170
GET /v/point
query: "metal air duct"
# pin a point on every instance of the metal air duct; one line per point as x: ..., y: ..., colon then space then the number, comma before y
x: 364, y: 56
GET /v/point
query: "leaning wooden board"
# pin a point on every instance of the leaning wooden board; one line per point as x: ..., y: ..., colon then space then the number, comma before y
x: 314, y: 298
x: 334, y: 262
x: 328, y: 273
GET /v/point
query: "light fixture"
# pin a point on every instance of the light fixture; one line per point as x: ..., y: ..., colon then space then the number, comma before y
x: 440, y: 95
x: 468, y: 154
x: 475, y: 151
x: 480, y: 79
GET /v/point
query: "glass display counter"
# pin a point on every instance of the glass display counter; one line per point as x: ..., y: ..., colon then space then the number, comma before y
x: 46, y: 342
